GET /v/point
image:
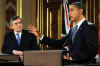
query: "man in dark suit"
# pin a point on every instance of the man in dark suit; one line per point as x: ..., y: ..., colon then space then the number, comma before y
x: 18, y: 40
x: 82, y: 38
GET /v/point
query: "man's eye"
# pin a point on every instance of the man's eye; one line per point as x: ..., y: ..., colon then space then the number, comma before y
x: 15, y: 23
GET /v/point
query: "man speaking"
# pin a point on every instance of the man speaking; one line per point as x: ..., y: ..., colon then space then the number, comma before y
x: 82, y: 38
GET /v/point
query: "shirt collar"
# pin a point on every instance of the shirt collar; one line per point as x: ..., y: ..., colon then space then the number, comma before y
x: 17, y: 32
x: 80, y: 22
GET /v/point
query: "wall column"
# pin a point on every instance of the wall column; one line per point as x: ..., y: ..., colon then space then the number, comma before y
x: 29, y: 12
x: 2, y: 21
x: 99, y: 15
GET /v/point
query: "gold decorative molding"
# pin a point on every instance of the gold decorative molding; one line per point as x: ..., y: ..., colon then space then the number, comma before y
x: 47, y: 21
x: 19, y: 8
x: 60, y: 20
x: 94, y: 12
x: 50, y: 24
x: 87, y: 9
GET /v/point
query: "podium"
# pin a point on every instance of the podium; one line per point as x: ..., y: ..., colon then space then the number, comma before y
x: 5, y: 58
x: 43, y: 58
x: 9, y: 60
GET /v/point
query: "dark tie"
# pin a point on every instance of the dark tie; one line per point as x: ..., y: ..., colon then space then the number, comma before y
x: 74, y: 31
x: 18, y: 39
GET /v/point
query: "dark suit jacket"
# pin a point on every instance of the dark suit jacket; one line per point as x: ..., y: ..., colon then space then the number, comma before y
x: 85, y: 43
x: 28, y: 42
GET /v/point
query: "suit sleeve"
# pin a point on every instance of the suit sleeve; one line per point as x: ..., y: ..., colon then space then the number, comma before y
x: 34, y: 43
x: 92, y: 40
x: 55, y: 42
x: 5, y: 46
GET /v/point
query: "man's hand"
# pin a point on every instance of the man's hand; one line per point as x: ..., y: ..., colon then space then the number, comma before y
x: 33, y: 29
x: 19, y: 53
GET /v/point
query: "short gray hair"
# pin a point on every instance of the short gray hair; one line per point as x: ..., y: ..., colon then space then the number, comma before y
x: 12, y: 19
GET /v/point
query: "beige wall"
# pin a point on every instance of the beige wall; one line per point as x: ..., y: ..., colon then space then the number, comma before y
x: 2, y: 21
x: 29, y: 12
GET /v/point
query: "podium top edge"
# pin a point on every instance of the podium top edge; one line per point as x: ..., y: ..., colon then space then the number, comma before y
x: 44, y: 51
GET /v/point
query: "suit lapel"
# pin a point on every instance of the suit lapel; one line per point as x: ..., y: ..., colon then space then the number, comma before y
x: 14, y: 39
x: 81, y: 28
x: 22, y: 37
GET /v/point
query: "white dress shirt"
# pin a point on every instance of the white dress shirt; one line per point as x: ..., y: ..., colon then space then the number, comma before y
x: 19, y: 34
x: 14, y: 51
x: 80, y: 23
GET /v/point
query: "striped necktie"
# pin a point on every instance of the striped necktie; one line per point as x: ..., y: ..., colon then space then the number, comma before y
x: 74, y: 31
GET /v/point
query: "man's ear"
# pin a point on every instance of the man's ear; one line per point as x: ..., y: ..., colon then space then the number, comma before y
x: 81, y: 11
x: 11, y: 27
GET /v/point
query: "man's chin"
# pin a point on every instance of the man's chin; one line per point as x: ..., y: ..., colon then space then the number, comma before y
x: 18, y: 30
x: 72, y: 20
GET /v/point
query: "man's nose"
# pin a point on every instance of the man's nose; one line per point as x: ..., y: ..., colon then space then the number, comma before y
x: 18, y: 24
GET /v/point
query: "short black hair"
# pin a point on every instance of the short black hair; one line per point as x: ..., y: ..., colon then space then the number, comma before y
x: 79, y: 5
x: 13, y: 18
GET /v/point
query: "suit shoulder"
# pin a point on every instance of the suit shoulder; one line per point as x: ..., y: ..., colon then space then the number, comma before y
x: 26, y: 32
x: 9, y: 34
x: 90, y: 23
x: 91, y: 26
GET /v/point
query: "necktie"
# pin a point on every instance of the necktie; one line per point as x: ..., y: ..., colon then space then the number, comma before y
x: 74, y: 31
x: 18, y: 39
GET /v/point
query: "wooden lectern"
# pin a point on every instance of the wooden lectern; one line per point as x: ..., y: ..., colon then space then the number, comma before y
x: 42, y: 58
x: 6, y: 58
